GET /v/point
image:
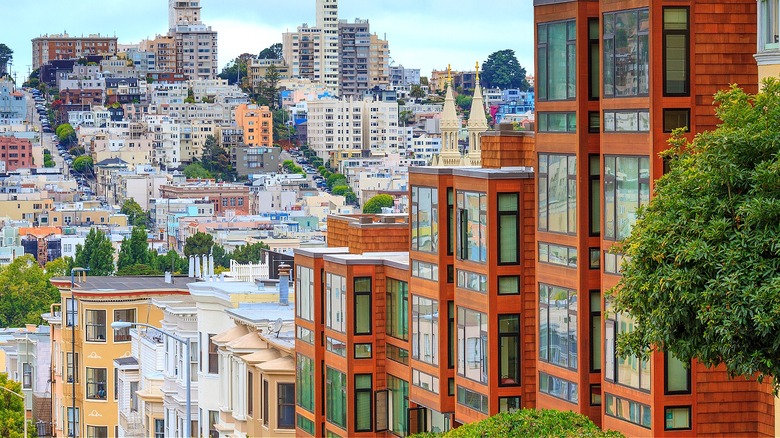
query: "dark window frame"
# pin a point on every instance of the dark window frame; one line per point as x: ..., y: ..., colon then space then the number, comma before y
x: 594, y: 46
x: 281, y: 403
x: 544, y: 179
x: 592, y: 315
x: 511, y: 213
x: 369, y: 392
x: 571, y: 44
x: 687, y: 112
x: 690, y: 415
x: 601, y: 394
x: 452, y: 341
x: 666, y: 378
x: 685, y: 33
x: 450, y: 221
x: 356, y: 313
x: 603, y: 60
x: 518, y: 342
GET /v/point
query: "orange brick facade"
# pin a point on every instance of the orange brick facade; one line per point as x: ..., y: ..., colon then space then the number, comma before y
x: 47, y: 48
x: 15, y: 153
x: 368, y: 233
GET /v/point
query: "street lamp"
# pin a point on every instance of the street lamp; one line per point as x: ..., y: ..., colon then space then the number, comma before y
x: 188, y: 425
x: 24, y: 408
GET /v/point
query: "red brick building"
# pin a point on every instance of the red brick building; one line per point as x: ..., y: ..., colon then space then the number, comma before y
x: 15, y: 153
x: 613, y: 79
x: 225, y: 197
x: 81, y: 97
x: 63, y: 46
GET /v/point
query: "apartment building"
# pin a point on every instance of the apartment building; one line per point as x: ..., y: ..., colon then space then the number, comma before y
x: 84, y: 346
x: 27, y: 356
x: 46, y: 48
x: 612, y: 80
x: 224, y: 197
x: 258, y: 68
x: 257, y: 123
x: 15, y: 153
x: 164, y: 49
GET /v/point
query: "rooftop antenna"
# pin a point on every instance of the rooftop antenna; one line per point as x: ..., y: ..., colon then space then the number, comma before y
x: 276, y: 327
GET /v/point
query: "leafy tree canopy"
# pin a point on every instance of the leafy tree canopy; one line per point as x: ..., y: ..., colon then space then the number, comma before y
x: 216, y: 160
x: 196, y: 171
x: 198, y: 244
x: 136, y: 215
x: 528, y: 423
x: 502, y: 70
x: 97, y: 254
x: 59, y: 267
x: 11, y: 410
x: 247, y: 253
x: 138, y: 270
x: 135, y: 250
x: 375, y: 204
x: 702, y: 278
x: 27, y: 292
x: 82, y: 164
x: 236, y: 70
x: 6, y: 56
x: 274, y: 51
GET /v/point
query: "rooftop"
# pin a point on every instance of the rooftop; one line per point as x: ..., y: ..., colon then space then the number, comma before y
x: 107, y: 285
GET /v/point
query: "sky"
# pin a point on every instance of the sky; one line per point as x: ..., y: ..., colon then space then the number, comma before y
x: 424, y: 34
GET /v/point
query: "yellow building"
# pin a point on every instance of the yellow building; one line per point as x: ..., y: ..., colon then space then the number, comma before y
x: 257, y: 123
x: 25, y: 206
x: 84, y: 346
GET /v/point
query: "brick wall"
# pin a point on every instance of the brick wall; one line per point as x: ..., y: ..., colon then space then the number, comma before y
x: 506, y: 148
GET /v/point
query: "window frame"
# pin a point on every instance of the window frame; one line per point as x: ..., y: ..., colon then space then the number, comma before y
x: 666, y: 377
x: 482, y: 345
x: 419, y: 346
x: 516, y: 335
x: 123, y: 334
x: 356, y: 312
x: 282, y: 403
x: 463, y: 220
x: 545, y: 307
x: 639, y: 34
x: 687, y: 112
x: 690, y: 415
x: 543, y: 46
x: 594, y: 46
x: 510, y: 213
x: 543, y: 212
x: 89, y: 314
x: 95, y: 395
x: 687, y: 61
x: 594, y: 315
x: 366, y: 392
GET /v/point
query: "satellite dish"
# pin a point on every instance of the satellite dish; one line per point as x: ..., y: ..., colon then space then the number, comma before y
x: 277, y: 326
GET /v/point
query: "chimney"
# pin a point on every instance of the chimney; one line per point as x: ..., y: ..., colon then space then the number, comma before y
x: 167, y: 277
x: 284, y: 284
x: 191, y: 272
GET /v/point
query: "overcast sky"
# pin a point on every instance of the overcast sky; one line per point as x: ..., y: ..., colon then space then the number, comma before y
x: 423, y: 34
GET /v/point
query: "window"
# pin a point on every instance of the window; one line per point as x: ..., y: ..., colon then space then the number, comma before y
x: 425, y: 219
x: 472, y: 281
x: 593, y: 59
x: 508, y: 404
x: 336, y: 397
x: 450, y: 220
x: 305, y: 335
x: 508, y: 350
x: 472, y: 345
x: 73, y: 422
x: 558, y: 388
x: 126, y: 315
x: 594, y: 195
x: 678, y: 376
x: 613, y: 262
x: 509, y: 285
x: 595, y: 331
x: 363, y: 351
x: 335, y: 346
x: 398, y: 354
x: 632, y: 372
x: 508, y: 228
x: 250, y: 405
x: 305, y: 424
x: 557, y: 61
x: 676, y: 118
x: 266, y: 403
x: 626, y: 187
x: 472, y: 226
x: 133, y: 396
x: 286, y: 406
x: 473, y: 400
x: 425, y: 270
x: 558, y: 254
x: 97, y: 431
x: 558, y: 326
x: 213, y: 421
x: 425, y: 330
x: 363, y: 414
x: 677, y: 418
x: 213, y: 357
x: 558, y: 193
x: 397, y: 309
x: 96, y: 383
x: 627, y: 121
x: 768, y: 25
x: 675, y: 52
x: 72, y: 367
x: 72, y: 315
x: 399, y: 404
x: 557, y: 122
x: 96, y: 325
x: 336, y: 303
x: 595, y: 395
x: 363, y: 310
x: 304, y: 382
x: 594, y: 122
x: 628, y: 410
x: 304, y: 293
x: 159, y: 428
x: 626, y: 67
x: 451, y: 335
x: 595, y: 258
x: 26, y: 376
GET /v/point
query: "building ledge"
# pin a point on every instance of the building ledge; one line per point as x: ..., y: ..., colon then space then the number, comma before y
x: 770, y: 57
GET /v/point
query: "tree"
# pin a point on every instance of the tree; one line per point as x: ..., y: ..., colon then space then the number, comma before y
x: 274, y: 51
x: 216, y: 160
x: 48, y: 161
x: 221, y: 257
x: 27, y: 292
x: 417, y: 92
x: 65, y: 133
x: 76, y: 151
x: 6, y: 56
x: 138, y: 270
x: 503, y: 71
x: 170, y: 262
x: 198, y: 244
x: 236, y: 70
x: 12, y: 416
x: 464, y: 102
x: 340, y: 190
x: 97, y: 254
x: 136, y: 215
x: 59, y: 267
x: 190, y: 96
x: 267, y: 92
x: 83, y: 164
x: 135, y: 250
x: 375, y: 204
x: 247, y: 253
x: 703, y: 270
x: 335, y: 179
x: 196, y: 171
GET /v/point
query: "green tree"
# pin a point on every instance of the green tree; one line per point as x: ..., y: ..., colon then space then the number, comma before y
x: 503, y: 71
x: 26, y: 292
x: 221, y: 257
x: 216, y: 160
x: 528, y: 423
x: 267, y: 92
x: 139, y: 270
x: 190, y: 96
x: 464, y: 102
x: 171, y: 260
x: 76, y: 151
x: 417, y: 92
x: 83, y: 164
x: 375, y: 204
x: 335, y: 179
x: 702, y: 277
x: 236, y: 70
x: 135, y: 250
x: 48, y: 161
x: 340, y: 190
x: 274, y: 51
x: 247, y: 253
x: 12, y: 415
x: 196, y: 171
x: 198, y: 244
x: 6, y: 56
x: 97, y: 254
x: 405, y: 117
x: 136, y: 215
x: 66, y: 133
x: 59, y: 267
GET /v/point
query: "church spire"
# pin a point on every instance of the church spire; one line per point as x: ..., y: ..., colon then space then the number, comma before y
x: 477, y: 123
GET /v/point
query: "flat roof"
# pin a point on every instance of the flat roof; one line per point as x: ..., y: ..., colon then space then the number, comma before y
x: 398, y: 260
x: 108, y: 285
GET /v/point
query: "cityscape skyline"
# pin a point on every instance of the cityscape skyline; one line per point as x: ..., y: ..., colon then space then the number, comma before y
x: 256, y: 28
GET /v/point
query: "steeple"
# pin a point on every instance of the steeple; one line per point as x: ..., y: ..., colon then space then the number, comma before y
x: 449, y: 155
x: 477, y: 124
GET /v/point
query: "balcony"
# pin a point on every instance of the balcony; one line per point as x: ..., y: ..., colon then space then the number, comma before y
x: 132, y: 423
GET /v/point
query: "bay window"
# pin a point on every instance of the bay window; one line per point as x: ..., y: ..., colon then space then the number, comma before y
x: 626, y: 50
x: 558, y: 193
x: 558, y: 326
x: 472, y: 345
x: 425, y: 330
